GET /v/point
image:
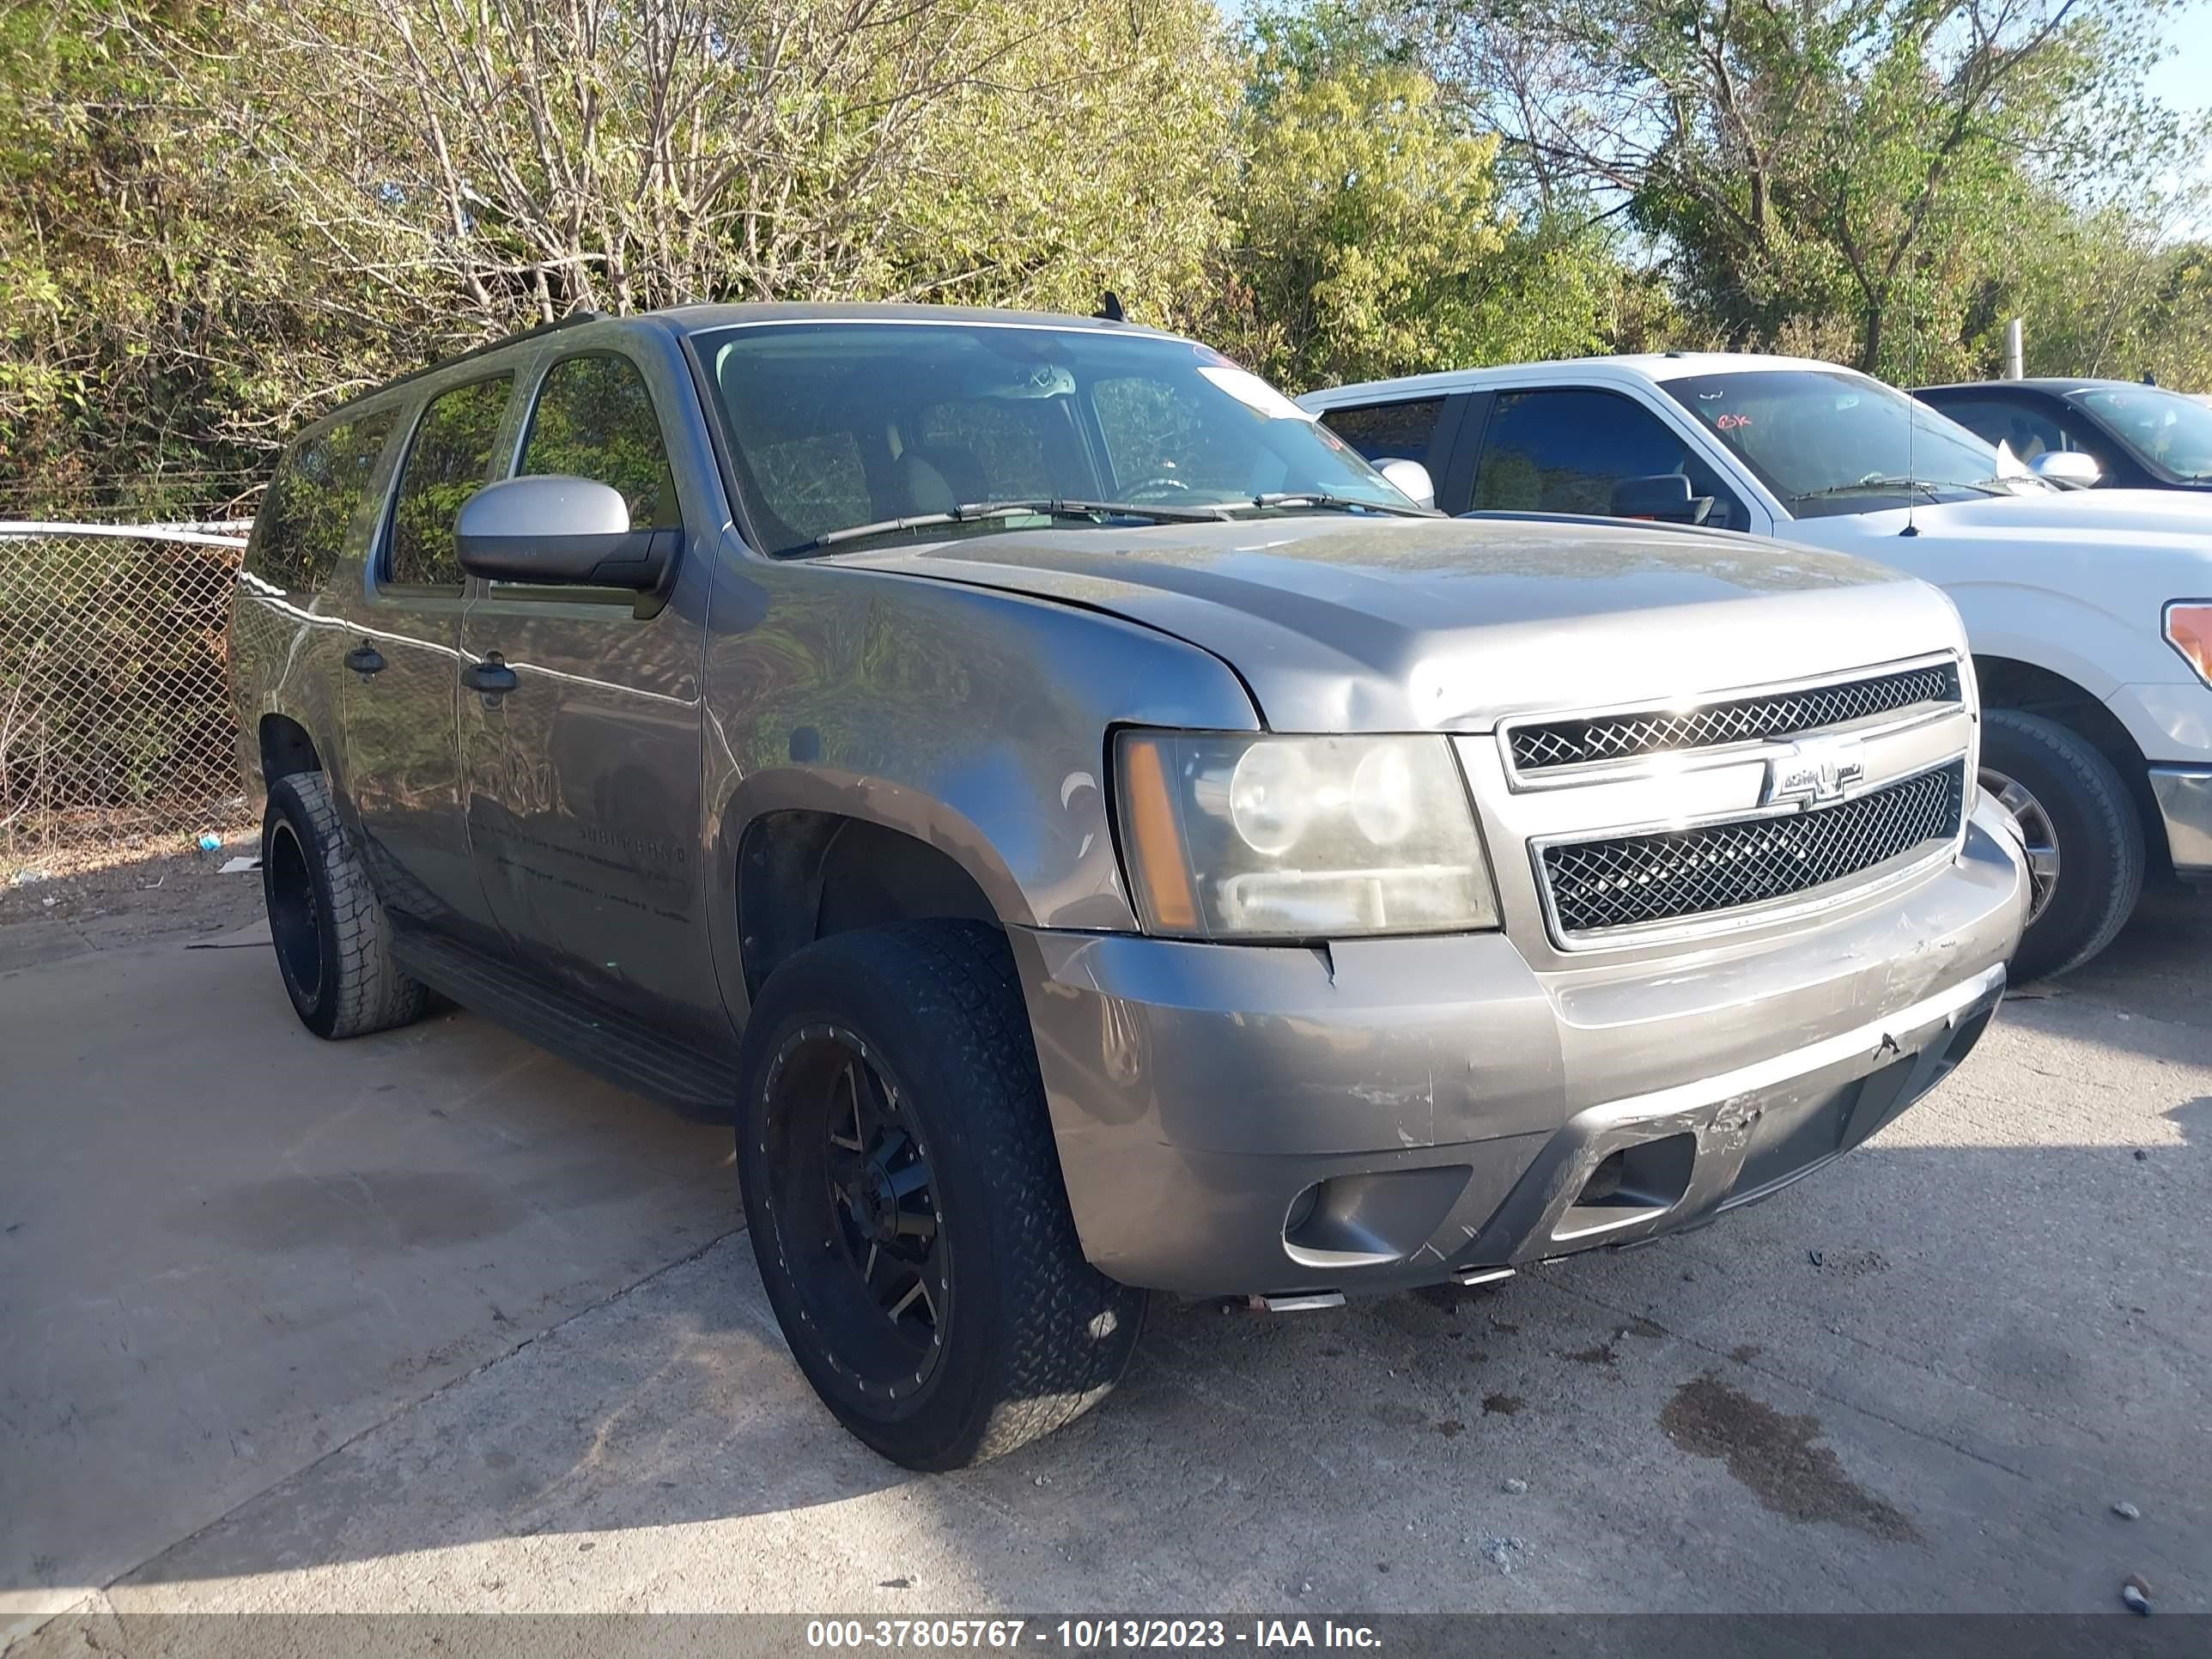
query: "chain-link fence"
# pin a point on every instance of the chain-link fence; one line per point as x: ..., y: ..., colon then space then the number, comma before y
x: 115, y: 715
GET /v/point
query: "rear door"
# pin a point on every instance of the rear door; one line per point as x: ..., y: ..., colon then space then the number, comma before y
x: 403, y: 672
x: 584, y: 775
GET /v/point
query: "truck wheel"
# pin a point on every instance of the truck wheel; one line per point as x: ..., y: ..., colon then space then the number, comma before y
x: 2084, y: 837
x: 333, y: 941
x: 904, y: 1197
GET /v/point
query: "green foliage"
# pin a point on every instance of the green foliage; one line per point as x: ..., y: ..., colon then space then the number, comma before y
x: 226, y: 215
x: 1845, y: 178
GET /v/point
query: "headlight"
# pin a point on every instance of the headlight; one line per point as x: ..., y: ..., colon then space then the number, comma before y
x: 1237, y: 836
x: 2189, y: 630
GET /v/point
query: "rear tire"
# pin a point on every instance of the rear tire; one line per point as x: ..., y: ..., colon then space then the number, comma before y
x: 2084, y: 833
x: 333, y: 940
x: 904, y: 1197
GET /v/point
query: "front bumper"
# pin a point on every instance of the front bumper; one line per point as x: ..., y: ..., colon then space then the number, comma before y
x: 1396, y: 1112
x: 2184, y: 806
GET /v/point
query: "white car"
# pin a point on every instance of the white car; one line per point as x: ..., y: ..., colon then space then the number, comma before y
x: 2090, y: 612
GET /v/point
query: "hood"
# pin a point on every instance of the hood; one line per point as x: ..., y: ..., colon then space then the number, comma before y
x: 1359, y: 624
x: 2165, y: 517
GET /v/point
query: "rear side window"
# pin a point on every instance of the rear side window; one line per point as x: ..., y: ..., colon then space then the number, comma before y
x: 594, y: 420
x: 300, y: 531
x: 1388, y: 432
x: 447, y: 462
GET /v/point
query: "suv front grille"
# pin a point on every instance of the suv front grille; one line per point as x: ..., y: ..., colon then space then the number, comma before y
x: 1625, y: 881
x: 1744, y: 720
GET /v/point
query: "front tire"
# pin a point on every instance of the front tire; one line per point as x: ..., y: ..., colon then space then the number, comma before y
x: 2083, y: 836
x: 904, y: 1197
x: 333, y: 940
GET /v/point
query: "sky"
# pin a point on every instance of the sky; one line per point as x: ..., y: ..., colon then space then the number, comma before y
x: 2184, y: 79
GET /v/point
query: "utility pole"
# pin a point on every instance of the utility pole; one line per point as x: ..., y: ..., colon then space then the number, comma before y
x: 2015, y: 357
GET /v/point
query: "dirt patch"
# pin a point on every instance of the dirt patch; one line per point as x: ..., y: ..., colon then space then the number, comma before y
x: 1450, y: 1427
x: 1502, y: 1404
x: 1603, y: 1354
x: 1777, y: 1456
x: 107, y: 898
x: 1744, y: 1352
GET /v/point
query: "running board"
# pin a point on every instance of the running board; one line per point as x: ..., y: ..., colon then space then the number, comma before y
x: 696, y: 1086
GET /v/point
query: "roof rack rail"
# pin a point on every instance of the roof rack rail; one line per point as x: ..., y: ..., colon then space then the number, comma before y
x: 505, y: 340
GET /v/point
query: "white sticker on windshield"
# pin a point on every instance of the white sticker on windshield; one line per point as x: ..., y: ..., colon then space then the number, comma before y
x: 1254, y: 392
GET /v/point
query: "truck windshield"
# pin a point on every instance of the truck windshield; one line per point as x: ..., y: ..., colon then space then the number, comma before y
x: 2173, y: 433
x: 1827, y: 442
x: 845, y: 433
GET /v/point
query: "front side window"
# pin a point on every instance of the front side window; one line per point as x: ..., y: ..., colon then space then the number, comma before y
x: 300, y: 531
x: 448, y: 461
x: 2171, y: 433
x: 1566, y: 450
x: 838, y: 427
x: 1388, y: 432
x: 594, y: 420
x: 1827, y: 442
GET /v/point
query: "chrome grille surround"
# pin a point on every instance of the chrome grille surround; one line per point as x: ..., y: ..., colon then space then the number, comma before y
x: 1551, y: 749
x: 1602, y: 886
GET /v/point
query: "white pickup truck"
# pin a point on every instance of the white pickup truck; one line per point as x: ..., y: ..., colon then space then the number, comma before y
x: 2090, y: 612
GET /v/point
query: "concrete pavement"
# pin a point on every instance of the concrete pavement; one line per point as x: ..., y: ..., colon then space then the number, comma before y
x: 432, y: 1322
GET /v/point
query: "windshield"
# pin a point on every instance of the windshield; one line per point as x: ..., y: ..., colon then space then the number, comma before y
x: 2173, y: 433
x: 843, y: 433
x: 1828, y: 441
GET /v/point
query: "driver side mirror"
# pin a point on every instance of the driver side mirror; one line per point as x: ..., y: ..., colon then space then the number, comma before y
x: 1664, y: 496
x: 2069, y: 467
x: 1412, y: 480
x: 557, y: 529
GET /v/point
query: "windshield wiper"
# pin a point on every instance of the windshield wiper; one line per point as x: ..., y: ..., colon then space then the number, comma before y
x: 1329, y: 503
x: 1880, y: 486
x: 975, y: 512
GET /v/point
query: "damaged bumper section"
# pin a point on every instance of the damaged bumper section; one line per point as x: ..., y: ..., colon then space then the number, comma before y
x: 1292, y: 1122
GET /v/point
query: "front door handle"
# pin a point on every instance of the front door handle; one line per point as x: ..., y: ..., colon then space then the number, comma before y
x: 492, y: 675
x: 365, y: 659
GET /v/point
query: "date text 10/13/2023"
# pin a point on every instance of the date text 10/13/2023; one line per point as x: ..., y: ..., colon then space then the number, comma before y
x: 1088, y: 1635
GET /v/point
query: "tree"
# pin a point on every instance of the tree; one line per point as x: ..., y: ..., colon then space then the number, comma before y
x: 1815, y: 171
x: 498, y: 159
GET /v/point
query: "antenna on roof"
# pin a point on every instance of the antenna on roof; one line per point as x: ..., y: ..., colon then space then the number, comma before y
x: 1912, y: 402
x: 1109, y: 308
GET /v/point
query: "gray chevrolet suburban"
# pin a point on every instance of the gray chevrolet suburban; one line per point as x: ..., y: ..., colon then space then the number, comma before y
x: 1091, y: 831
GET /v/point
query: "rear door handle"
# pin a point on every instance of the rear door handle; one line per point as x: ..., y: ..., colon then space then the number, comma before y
x: 492, y: 675
x: 365, y: 659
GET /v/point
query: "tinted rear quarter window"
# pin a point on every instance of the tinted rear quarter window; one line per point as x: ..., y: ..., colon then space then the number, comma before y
x: 1399, y: 431
x: 300, y: 533
x: 447, y: 461
x: 595, y: 419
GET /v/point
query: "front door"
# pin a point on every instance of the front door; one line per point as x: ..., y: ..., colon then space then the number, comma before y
x: 583, y: 775
x: 403, y: 661
x: 1564, y: 449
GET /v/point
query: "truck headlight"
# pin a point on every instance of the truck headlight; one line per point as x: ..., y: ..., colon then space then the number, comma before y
x: 2189, y: 630
x: 1245, y: 835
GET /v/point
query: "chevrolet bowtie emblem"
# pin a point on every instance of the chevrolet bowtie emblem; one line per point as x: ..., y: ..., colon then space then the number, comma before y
x: 1814, y: 771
